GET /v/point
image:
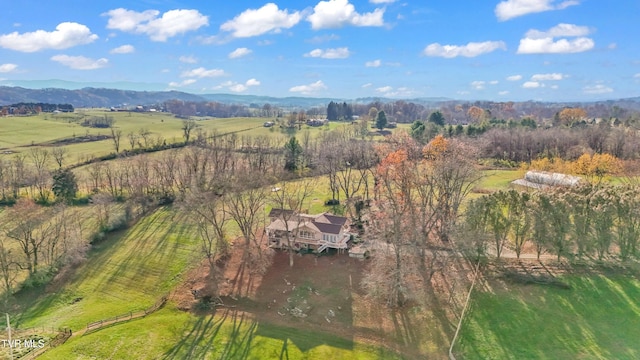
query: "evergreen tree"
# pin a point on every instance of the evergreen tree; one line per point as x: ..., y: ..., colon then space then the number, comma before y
x: 65, y: 185
x: 293, y: 152
x: 333, y: 112
x: 437, y: 118
x: 381, y: 120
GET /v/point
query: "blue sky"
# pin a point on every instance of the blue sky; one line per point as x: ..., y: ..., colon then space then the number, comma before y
x: 549, y: 50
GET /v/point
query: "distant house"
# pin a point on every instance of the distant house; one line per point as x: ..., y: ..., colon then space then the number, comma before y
x: 317, y: 122
x: 268, y: 124
x: 542, y: 179
x: 308, y: 232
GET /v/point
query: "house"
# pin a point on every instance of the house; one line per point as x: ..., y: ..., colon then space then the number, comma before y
x: 543, y: 179
x: 308, y: 232
x: 268, y: 124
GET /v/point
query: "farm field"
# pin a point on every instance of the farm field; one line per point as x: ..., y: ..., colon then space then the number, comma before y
x: 17, y: 134
x: 595, y: 319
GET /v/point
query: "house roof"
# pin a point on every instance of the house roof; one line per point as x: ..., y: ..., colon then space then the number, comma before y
x: 275, y: 212
x: 335, y: 220
x: 328, y: 228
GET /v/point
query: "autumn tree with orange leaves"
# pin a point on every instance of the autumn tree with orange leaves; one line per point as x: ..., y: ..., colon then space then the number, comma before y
x: 418, y: 194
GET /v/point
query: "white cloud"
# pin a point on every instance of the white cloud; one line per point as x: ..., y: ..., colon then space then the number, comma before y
x: 203, y: 73
x: 188, y: 59
x: 170, y: 24
x: 389, y: 91
x: 514, y: 78
x: 235, y: 87
x: 503, y: 93
x: 252, y: 82
x: 7, y: 68
x: 510, y: 9
x: 493, y: 82
x: 124, y: 49
x: 186, y: 82
x: 548, y: 46
x: 560, y: 30
x: 323, y: 38
x: 66, y: 35
x: 478, y: 85
x: 239, y: 52
x: 254, y: 22
x: 532, y: 85
x: 597, y: 89
x: 374, y: 63
x: 333, y: 14
x: 382, y: 1
x: 80, y: 62
x: 554, y: 87
x: 367, y: 85
x: 337, y: 53
x: 309, y: 89
x: 472, y: 49
x: 637, y: 76
x: 548, y: 77
x: 542, y: 42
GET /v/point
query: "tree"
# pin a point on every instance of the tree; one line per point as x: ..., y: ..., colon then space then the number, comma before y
x: 292, y: 154
x: 381, y: 120
x: 65, y: 185
x: 417, y: 130
x: 115, y: 136
x: 59, y: 153
x: 25, y: 220
x: 246, y: 206
x: 570, y: 116
x: 437, y: 118
x: 291, y: 196
x: 332, y: 111
x: 9, y: 268
x: 187, y: 127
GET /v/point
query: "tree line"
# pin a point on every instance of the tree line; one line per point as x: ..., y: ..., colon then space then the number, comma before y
x: 589, y: 221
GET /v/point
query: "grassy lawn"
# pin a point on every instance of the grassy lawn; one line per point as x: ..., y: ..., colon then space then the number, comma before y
x: 596, y: 319
x: 128, y: 271
x: 173, y: 334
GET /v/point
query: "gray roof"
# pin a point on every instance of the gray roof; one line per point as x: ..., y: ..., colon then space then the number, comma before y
x: 328, y: 228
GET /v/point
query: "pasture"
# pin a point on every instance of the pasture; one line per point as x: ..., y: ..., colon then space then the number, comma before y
x: 597, y: 318
x: 46, y: 130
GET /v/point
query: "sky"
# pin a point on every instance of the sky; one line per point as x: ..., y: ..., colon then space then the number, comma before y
x: 499, y: 50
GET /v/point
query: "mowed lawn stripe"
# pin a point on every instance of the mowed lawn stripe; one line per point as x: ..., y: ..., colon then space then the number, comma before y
x: 128, y: 271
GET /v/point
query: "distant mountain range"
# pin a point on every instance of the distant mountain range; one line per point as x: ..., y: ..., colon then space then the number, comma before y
x: 108, y: 97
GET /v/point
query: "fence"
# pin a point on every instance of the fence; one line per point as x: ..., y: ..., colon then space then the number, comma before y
x: 96, y: 325
x: 62, y: 337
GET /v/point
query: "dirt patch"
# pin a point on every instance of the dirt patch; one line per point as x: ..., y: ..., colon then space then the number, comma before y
x: 323, y: 293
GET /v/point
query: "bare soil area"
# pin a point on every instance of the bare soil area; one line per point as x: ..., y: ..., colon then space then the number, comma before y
x: 323, y: 293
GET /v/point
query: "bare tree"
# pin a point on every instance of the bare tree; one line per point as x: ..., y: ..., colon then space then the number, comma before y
x: 187, y: 126
x: 59, y: 153
x: 144, y: 134
x: 133, y: 140
x: 115, y: 136
x: 9, y: 268
x: 25, y: 220
x: 40, y: 158
x: 291, y: 196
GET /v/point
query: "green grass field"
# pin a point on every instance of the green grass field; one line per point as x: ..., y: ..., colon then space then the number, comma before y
x: 173, y: 334
x: 128, y: 271
x: 598, y: 318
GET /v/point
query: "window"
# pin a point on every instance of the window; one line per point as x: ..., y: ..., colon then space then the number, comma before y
x: 305, y: 234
